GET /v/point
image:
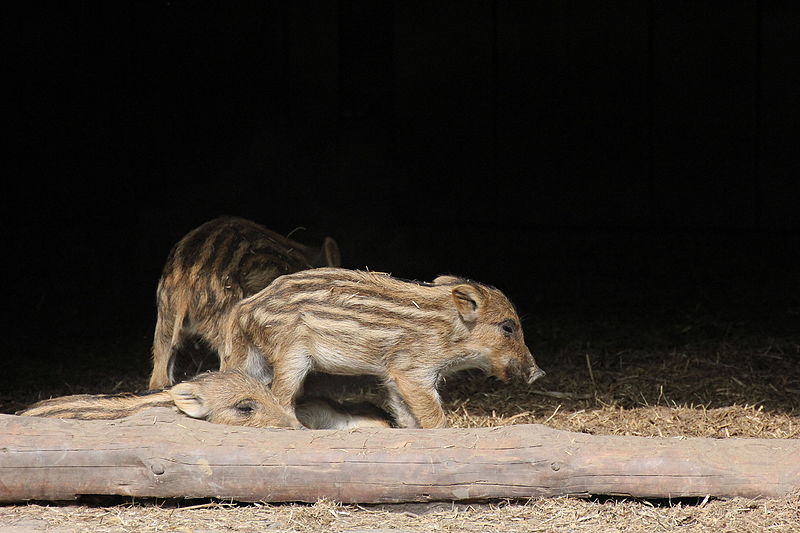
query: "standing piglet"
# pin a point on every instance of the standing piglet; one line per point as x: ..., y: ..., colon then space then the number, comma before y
x: 350, y: 322
x: 208, y: 271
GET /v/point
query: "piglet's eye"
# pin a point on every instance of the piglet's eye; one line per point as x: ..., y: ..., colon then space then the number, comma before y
x: 245, y: 407
x: 508, y: 327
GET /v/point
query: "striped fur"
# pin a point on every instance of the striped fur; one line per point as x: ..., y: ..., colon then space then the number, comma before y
x: 220, y: 397
x: 98, y: 406
x: 233, y: 398
x: 350, y: 322
x: 208, y: 271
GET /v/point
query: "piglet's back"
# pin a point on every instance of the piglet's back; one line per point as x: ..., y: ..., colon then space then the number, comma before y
x: 364, y: 297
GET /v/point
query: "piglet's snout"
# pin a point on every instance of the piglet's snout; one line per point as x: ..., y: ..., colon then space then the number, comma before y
x: 535, y: 372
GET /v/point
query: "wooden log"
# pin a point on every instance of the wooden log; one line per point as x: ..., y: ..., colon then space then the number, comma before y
x: 161, y: 454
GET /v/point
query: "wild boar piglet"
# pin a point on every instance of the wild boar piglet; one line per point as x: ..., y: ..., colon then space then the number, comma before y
x: 231, y: 397
x: 210, y: 269
x: 351, y: 322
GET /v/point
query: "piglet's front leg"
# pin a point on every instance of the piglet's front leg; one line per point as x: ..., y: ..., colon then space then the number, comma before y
x: 416, y: 404
x: 403, y: 416
x: 290, y: 371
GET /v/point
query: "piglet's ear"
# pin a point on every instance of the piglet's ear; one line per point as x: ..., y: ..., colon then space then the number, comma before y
x: 468, y: 299
x: 330, y: 249
x: 189, y: 399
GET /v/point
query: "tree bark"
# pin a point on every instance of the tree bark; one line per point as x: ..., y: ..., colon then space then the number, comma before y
x: 159, y: 453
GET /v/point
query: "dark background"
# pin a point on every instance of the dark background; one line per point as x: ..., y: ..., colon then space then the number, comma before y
x: 610, y: 165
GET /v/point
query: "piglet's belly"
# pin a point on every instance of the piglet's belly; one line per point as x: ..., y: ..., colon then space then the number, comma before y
x: 354, y: 362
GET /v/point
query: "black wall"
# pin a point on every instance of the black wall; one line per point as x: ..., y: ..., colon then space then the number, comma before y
x: 514, y: 142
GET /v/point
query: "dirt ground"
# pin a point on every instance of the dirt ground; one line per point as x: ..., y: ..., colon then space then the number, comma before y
x: 719, y: 361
